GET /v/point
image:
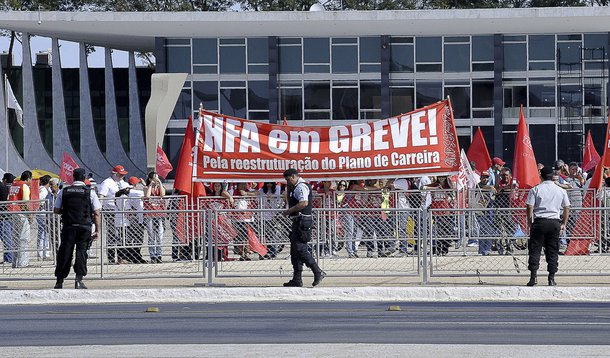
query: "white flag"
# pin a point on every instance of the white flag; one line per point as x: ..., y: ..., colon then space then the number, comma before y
x: 12, y: 103
x: 466, y: 176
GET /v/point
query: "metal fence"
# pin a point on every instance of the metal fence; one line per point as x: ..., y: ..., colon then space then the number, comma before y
x: 376, y: 233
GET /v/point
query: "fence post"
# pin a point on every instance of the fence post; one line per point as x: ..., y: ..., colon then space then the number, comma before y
x: 423, y: 220
x: 101, y: 238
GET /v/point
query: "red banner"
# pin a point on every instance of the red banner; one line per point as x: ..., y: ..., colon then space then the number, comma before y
x: 67, y: 168
x: 417, y: 143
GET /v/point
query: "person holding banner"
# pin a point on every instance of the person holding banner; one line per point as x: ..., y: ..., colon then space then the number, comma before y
x: 300, y: 211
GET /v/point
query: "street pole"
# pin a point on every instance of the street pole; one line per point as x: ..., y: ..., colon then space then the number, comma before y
x: 6, y: 119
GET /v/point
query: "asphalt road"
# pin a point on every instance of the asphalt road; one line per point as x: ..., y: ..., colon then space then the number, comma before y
x: 276, y: 322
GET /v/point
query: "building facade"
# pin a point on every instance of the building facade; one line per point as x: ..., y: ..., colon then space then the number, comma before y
x: 320, y: 68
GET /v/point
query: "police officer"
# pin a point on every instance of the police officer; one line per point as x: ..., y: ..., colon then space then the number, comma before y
x: 299, y: 210
x: 79, y: 208
x: 544, y: 204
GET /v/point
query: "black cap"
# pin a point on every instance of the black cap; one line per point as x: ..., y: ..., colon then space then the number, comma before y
x: 290, y: 172
x: 546, y: 172
x: 8, y: 177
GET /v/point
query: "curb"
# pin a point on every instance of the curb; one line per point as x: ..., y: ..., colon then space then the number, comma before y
x: 320, y: 294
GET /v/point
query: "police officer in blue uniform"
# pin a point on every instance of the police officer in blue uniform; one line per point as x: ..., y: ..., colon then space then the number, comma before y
x: 80, y: 209
x: 299, y: 210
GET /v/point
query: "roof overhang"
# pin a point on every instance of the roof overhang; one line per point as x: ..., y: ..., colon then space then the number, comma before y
x: 137, y: 30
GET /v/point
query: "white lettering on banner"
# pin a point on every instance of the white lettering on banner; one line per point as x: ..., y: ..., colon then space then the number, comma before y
x: 249, y: 139
x: 213, y: 134
x: 278, y: 141
x: 432, y: 126
x: 338, y: 137
x: 301, y: 140
x: 399, y: 127
x: 416, y: 128
x: 378, y: 133
x: 361, y: 137
x: 415, y: 158
x: 354, y: 163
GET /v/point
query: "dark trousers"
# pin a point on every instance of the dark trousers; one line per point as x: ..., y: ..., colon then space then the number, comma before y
x: 73, y: 236
x: 299, y: 247
x: 544, y: 233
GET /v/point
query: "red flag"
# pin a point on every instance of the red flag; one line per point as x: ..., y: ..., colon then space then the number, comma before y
x: 590, y: 157
x: 184, y: 171
x: 478, y: 153
x: 284, y: 122
x: 255, y: 244
x: 163, y: 166
x: 525, y: 168
x: 67, y: 168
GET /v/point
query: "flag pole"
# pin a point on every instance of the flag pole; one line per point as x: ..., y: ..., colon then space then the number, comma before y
x: 6, y: 119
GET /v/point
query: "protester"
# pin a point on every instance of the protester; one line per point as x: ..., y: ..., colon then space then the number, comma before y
x: 442, y: 198
x: 496, y: 168
x: 42, y: 246
x: 271, y: 199
x: 154, y: 221
x: 135, y: 231
x: 107, y: 192
x: 6, y: 221
x: 79, y: 208
x: 20, y: 191
x: 544, y: 203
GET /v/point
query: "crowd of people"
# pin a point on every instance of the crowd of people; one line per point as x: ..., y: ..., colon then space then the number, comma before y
x: 368, y: 217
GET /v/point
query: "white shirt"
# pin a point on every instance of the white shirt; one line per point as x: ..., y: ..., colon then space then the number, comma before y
x: 402, y: 184
x: 95, y: 202
x: 301, y: 192
x: 108, y: 188
x: 271, y: 200
x: 421, y: 183
x: 136, y: 204
x: 548, y: 200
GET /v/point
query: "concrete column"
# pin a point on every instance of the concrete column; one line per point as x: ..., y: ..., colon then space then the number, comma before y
x: 10, y: 159
x: 137, y: 148
x: 498, y: 96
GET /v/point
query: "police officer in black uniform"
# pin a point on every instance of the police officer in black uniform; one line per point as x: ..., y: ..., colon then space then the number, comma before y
x: 79, y: 208
x: 299, y: 210
x: 544, y: 203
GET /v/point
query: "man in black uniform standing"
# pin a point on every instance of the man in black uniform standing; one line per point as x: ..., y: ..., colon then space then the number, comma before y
x: 79, y: 208
x: 299, y: 210
x: 544, y: 203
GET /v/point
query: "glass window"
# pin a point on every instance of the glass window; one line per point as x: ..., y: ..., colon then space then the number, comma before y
x: 428, y: 93
x: 570, y: 96
x: 316, y: 50
x: 233, y: 102
x: 543, y: 143
x: 569, y: 56
x: 258, y: 50
x: 345, y: 103
x: 291, y: 106
x: 460, y: 101
x: 345, y: 59
x: 542, y: 47
x: 482, y: 48
x: 544, y: 65
x: 183, y: 107
x: 178, y: 59
x: 258, y: 95
x: 457, y: 58
x: 232, y: 59
x: 317, y: 95
x: 515, y: 57
x: 205, y: 52
x: 596, y: 46
x: 370, y: 95
x: 542, y: 95
x: 428, y: 49
x: 402, y: 100
x: 370, y: 49
x: 401, y: 58
x: 290, y: 59
x: 482, y: 94
x: 206, y: 93
x: 515, y: 96
x: 593, y: 95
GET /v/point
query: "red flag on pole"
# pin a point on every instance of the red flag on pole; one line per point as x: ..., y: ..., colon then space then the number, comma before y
x: 284, y: 122
x: 255, y: 244
x: 184, y: 171
x: 590, y: 157
x: 478, y: 153
x: 525, y: 168
x: 163, y: 166
x: 67, y: 168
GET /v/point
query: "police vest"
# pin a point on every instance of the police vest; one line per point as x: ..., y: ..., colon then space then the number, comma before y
x: 292, y: 201
x: 76, y: 205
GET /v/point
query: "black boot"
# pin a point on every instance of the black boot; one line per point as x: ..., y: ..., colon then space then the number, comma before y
x: 297, y: 280
x: 533, y: 279
x: 59, y: 284
x: 318, y: 275
x: 552, y: 279
x: 78, y: 284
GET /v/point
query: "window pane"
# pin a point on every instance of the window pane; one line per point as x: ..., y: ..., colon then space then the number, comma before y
x: 206, y: 93
x: 291, y: 103
x: 457, y: 58
x: 460, y: 101
x: 482, y: 94
x: 538, y: 66
x: 514, y: 57
x: 542, y: 95
x: 428, y: 93
x: 258, y: 95
x: 370, y: 49
x: 429, y: 49
x: 593, y: 95
x: 178, y: 59
x: 345, y: 103
x: 290, y: 59
x: 317, y: 95
x: 182, y: 110
x: 482, y: 48
x: 482, y: 66
x: 345, y: 59
x: 542, y: 47
x: 233, y: 59
x: 515, y: 96
x: 233, y: 102
x: 569, y: 56
x: 370, y: 95
x: 205, y: 51
x: 401, y: 58
x: 402, y: 100
x: 596, y: 46
x: 316, y: 50
x: 258, y: 50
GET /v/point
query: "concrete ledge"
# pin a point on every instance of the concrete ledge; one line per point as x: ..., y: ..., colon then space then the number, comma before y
x: 326, y: 294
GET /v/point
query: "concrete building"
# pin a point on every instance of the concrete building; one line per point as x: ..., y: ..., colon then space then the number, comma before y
x: 316, y: 68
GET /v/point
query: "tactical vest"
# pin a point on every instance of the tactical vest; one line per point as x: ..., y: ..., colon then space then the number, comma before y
x: 292, y: 201
x: 76, y: 205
